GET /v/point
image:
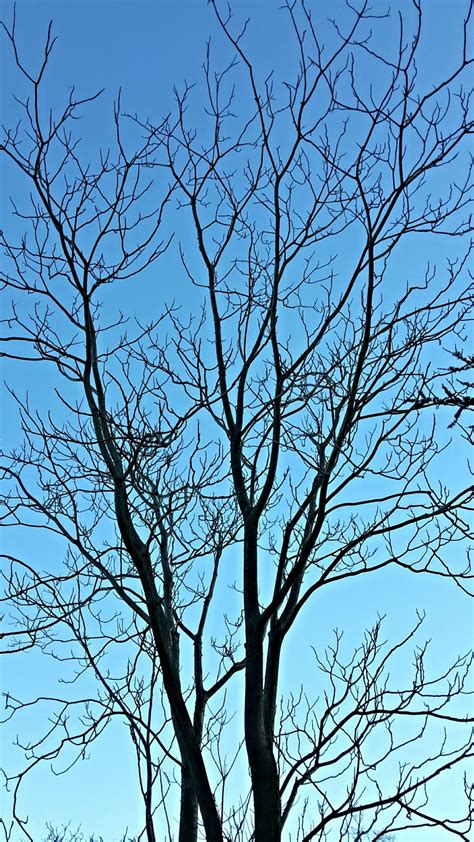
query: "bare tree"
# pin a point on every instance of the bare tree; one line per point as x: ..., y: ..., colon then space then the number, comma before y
x: 280, y: 441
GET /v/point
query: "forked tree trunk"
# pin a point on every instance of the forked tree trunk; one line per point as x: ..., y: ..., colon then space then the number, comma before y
x: 189, y: 747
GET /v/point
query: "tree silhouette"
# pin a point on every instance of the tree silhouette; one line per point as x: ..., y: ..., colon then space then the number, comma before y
x: 211, y: 474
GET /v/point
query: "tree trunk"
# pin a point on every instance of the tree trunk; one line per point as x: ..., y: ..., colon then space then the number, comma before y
x: 150, y: 829
x: 190, y: 751
x: 258, y: 736
x: 188, y: 815
x: 168, y: 654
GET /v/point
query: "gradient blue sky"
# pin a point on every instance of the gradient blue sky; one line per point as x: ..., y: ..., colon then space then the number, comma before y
x: 145, y: 47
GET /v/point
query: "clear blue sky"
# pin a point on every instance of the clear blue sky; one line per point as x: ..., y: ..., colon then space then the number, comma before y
x: 145, y: 47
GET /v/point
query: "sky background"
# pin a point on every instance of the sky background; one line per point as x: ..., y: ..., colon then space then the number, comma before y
x: 146, y: 48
